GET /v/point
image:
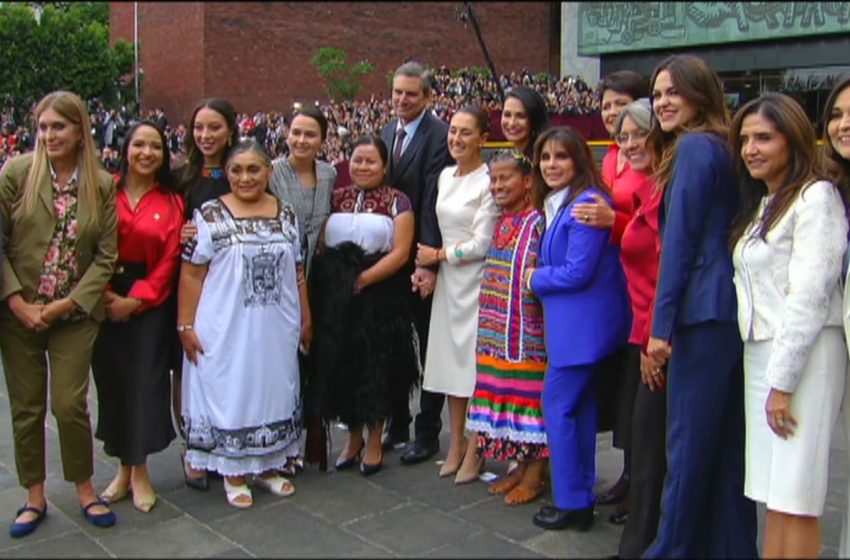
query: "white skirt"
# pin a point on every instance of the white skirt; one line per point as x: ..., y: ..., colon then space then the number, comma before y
x: 790, y: 475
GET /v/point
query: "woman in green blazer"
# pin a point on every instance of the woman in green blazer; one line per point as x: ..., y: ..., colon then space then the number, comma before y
x: 57, y: 209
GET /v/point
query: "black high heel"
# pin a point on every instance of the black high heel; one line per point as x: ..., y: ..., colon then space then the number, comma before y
x: 346, y: 463
x: 201, y: 483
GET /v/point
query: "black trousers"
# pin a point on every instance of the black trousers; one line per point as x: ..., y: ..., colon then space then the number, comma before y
x: 428, y: 423
x: 648, y: 467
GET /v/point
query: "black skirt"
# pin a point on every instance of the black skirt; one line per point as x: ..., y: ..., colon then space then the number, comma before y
x: 130, y: 364
x: 364, y: 357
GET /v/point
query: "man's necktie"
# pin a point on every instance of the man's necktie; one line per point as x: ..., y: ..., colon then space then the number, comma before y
x: 399, y: 142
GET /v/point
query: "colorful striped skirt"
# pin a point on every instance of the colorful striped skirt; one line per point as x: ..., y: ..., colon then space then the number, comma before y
x: 505, y: 409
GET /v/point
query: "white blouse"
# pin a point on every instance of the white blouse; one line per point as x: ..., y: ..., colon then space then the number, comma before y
x: 788, y: 286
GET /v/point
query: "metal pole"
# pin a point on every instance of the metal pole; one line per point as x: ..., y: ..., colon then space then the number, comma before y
x: 471, y: 15
x: 136, y: 54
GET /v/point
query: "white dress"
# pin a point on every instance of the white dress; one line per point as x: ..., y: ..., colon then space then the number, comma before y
x: 467, y: 217
x: 241, y: 403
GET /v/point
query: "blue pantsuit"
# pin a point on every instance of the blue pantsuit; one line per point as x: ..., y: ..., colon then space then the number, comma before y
x: 703, y: 509
x: 587, y: 316
x: 569, y: 411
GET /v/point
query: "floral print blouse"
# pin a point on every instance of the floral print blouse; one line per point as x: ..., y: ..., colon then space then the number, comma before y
x: 59, y: 268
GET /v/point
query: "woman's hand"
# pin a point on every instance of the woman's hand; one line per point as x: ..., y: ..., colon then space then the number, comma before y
x: 119, y: 309
x: 191, y: 345
x: 659, y: 350
x: 651, y: 373
x: 306, y: 335
x: 597, y: 214
x: 188, y: 232
x: 426, y: 256
x: 526, y: 278
x: 778, y: 412
x: 29, y: 314
x: 58, y: 309
x: 423, y: 281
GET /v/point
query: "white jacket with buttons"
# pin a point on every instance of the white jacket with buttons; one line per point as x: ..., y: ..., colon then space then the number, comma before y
x: 789, y: 285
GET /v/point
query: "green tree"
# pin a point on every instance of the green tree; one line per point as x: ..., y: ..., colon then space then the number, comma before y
x: 341, y: 81
x: 67, y: 47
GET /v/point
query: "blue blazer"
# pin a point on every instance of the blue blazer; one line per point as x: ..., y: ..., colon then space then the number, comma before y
x: 580, y: 282
x: 695, y: 272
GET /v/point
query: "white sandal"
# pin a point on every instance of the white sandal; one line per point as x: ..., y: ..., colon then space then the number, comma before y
x: 277, y: 485
x: 235, y: 492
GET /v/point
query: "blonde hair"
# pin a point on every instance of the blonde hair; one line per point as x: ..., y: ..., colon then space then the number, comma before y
x: 70, y: 107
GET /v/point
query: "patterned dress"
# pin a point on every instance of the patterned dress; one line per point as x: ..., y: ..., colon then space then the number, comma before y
x: 511, y: 359
x: 241, y: 403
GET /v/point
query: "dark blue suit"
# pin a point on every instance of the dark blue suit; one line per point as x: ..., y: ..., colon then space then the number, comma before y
x: 703, y: 508
x: 581, y: 285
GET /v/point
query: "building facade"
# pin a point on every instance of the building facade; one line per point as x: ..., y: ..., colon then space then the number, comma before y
x: 257, y: 54
x: 799, y: 48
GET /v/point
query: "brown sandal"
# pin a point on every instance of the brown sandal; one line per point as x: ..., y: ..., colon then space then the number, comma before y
x: 522, y: 494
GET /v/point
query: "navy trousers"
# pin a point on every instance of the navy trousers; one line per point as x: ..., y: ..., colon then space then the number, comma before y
x: 703, y: 509
x: 569, y: 411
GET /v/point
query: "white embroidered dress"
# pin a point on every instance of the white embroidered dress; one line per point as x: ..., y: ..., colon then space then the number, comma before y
x: 241, y: 403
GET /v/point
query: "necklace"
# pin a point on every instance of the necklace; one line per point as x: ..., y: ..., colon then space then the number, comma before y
x: 213, y: 172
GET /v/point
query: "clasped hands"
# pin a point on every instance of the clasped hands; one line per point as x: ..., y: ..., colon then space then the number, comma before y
x: 652, y: 362
x: 423, y: 281
x: 39, y: 316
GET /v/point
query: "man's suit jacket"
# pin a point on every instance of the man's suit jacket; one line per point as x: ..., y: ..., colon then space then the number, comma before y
x: 27, y: 238
x: 695, y: 272
x: 581, y: 284
x: 416, y: 174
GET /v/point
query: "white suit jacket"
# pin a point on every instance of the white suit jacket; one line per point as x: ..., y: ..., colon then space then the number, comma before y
x: 789, y: 285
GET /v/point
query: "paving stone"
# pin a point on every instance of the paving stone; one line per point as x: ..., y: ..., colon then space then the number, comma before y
x: 56, y: 524
x: 183, y: 537
x: 414, y: 529
x: 341, y: 498
x: 512, y: 522
x: 601, y: 541
x: 283, y: 531
x: 483, y: 545
x: 73, y: 545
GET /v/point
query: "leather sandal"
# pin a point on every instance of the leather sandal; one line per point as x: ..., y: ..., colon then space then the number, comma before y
x: 234, y: 492
x: 277, y: 485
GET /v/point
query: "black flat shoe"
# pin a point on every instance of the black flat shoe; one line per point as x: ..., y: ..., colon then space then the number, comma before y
x: 418, y: 452
x: 619, y: 517
x: 368, y: 470
x: 553, y: 518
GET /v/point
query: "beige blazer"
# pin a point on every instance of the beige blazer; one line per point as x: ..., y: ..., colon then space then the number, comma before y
x: 26, y: 240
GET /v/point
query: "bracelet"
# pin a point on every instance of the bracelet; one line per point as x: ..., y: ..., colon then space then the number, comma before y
x: 183, y: 328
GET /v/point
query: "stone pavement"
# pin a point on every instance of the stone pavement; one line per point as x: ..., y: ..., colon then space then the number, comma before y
x: 403, y: 511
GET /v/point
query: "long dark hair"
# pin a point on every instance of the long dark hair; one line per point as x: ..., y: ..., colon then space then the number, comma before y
x: 189, y: 172
x: 163, y: 175
x: 791, y: 122
x: 837, y: 166
x: 587, y: 174
x: 535, y: 108
x: 699, y: 84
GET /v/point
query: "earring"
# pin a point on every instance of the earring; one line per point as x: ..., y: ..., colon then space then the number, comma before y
x: 228, y: 142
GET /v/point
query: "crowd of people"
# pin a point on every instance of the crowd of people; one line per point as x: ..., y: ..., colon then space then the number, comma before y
x: 701, y: 273
x: 347, y: 120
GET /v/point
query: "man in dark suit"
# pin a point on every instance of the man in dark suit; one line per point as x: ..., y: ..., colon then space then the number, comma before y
x: 416, y: 140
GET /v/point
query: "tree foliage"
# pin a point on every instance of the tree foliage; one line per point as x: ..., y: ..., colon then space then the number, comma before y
x: 59, y: 45
x: 342, y: 82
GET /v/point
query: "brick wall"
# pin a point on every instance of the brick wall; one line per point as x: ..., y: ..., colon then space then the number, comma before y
x: 257, y: 54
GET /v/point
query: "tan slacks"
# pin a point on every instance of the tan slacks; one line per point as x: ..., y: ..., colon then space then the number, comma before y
x: 67, y: 348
